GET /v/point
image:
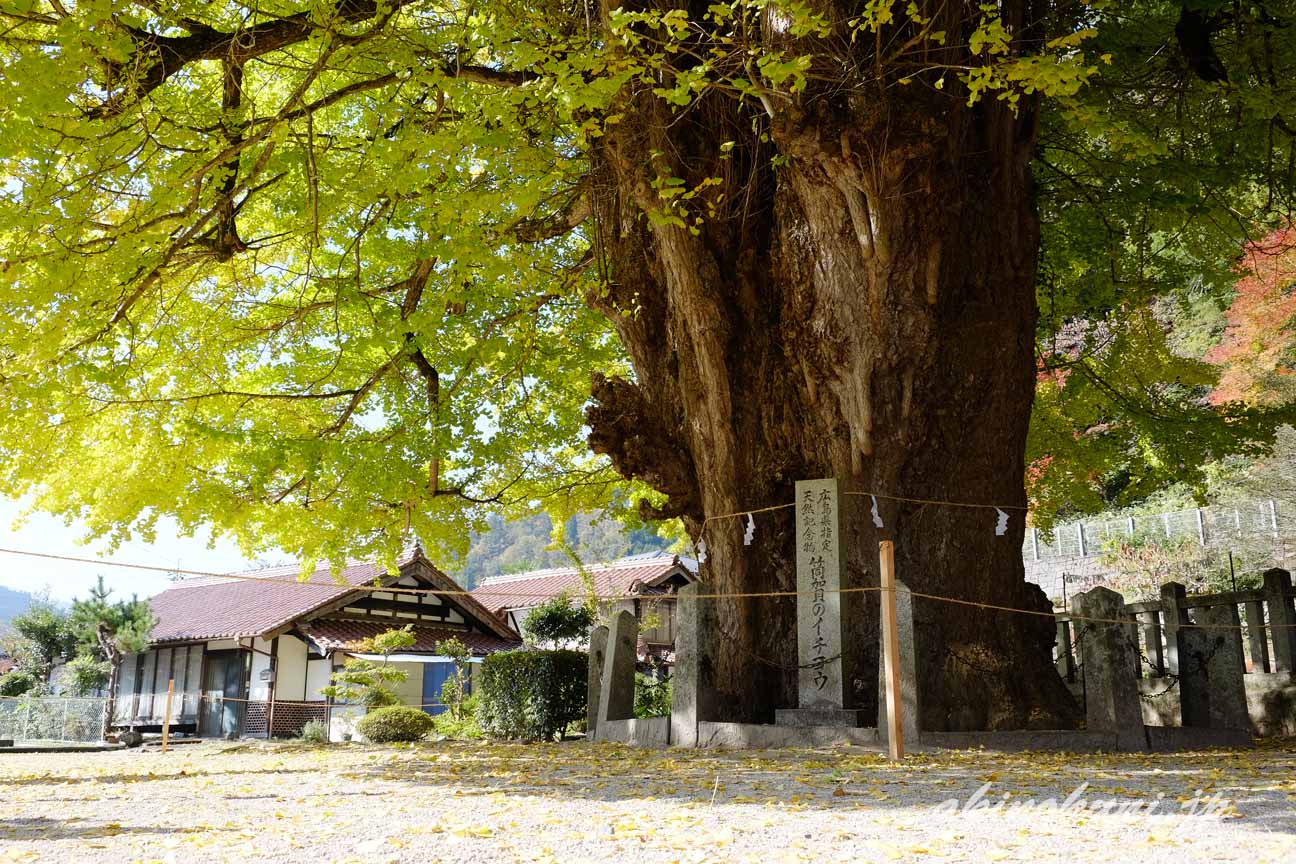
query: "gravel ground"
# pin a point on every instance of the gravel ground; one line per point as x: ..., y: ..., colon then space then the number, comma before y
x: 600, y: 803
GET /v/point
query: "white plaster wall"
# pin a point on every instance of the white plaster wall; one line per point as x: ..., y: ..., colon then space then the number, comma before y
x: 290, y: 683
x: 319, y: 673
x: 257, y: 688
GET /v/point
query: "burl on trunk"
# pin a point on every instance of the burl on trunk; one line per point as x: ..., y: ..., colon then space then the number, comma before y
x: 857, y: 301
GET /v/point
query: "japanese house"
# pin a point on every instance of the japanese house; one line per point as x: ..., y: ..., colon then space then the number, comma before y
x: 643, y: 584
x: 249, y: 652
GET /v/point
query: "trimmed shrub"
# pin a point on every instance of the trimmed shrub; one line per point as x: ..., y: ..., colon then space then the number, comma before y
x: 557, y: 622
x: 85, y: 674
x: 18, y: 682
x: 461, y: 728
x: 394, y: 723
x: 315, y: 732
x: 531, y: 695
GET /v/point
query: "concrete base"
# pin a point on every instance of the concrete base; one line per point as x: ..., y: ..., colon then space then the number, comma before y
x: 64, y: 748
x: 1167, y: 739
x: 642, y: 732
x: 1271, y: 702
x: 745, y: 736
x: 1017, y: 741
x: 655, y: 732
x: 799, y: 717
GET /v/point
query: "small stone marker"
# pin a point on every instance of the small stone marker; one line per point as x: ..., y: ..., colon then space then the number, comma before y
x: 616, y: 698
x: 693, y: 680
x: 821, y: 692
x: 1111, y: 692
x: 1212, y: 690
x: 594, y: 688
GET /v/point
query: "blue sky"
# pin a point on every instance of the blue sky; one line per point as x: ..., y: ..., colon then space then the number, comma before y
x: 43, y: 533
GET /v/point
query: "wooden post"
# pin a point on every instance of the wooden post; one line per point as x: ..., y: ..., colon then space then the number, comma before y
x: 891, y: 650
x: 166, y: 717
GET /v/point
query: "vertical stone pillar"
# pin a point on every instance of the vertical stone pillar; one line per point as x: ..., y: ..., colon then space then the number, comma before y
x: 825, y: 675
x: 1256, y: 638
x: 909, y: 704
x: 1211, y: 677
x: 1111, y: 692
x: 1065, y: 660
x: 693, y: 690
x: 1173, y: 617
x: 1282, y: 618
x: 1152, y: 636
x: 594, y: 689
x: 616, y: 697
x: 820, y: 682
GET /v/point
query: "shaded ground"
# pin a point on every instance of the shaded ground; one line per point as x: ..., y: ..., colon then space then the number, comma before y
x: 575, y: 802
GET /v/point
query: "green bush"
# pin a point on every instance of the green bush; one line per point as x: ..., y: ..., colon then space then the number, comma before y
x: 86, y: 674
x: 652, y: 696
x: 315, y: 732
x: 463, y: 728
x: 394, y: 723
x: 531, y: 695
x: 557, y: 622
x: 18, y: 682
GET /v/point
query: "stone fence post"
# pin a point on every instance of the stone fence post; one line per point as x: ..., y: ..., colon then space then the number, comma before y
x: 1212, y: 693
x: 1282, y: 618
x: 1065, y: 661
x: 1173, y: 618
x: 594, y: 688
x: 693, y: 690
x: 1107, y: 656
x: 616, y: 694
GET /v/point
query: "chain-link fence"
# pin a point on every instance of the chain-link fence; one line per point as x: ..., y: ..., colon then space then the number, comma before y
x: 49, y: 719
x: 1265, y: 522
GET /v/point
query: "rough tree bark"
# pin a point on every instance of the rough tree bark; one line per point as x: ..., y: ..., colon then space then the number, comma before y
x: 108, y: 645
x: 863, y: 309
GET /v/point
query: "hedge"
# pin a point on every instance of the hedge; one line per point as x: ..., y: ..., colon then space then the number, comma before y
x: 394, y: 723
x: 531, y: 695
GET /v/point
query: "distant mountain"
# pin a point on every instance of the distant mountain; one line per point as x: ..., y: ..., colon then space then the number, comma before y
x: 13, y: 603
x: 514, y: 547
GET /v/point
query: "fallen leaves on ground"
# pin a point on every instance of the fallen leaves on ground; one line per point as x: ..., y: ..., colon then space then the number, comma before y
x: 576, y: 802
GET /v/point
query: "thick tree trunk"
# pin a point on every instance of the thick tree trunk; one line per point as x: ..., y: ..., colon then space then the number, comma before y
x: 859, y: 304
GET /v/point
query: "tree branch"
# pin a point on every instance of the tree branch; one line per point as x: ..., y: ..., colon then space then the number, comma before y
x: 157, y: 58
x: 572, y: 214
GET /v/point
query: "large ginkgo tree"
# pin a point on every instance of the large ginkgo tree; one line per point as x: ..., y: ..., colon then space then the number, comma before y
x: 323, y: 275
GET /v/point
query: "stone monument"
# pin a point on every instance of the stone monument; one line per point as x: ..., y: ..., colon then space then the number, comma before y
x: 1107, y: 655
x: 822, y: 683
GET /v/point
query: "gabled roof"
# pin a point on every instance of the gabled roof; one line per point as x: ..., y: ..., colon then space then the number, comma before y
x: 330, y: 634
x: 258, y: 602
x: 632, y: 576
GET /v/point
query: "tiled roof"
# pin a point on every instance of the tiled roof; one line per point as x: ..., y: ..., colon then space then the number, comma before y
x: 260, y: 601
x: 330, y: 634
x: 613, y: 579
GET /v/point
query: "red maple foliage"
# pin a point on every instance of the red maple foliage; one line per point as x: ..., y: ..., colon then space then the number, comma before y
x: 1257, y: 353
